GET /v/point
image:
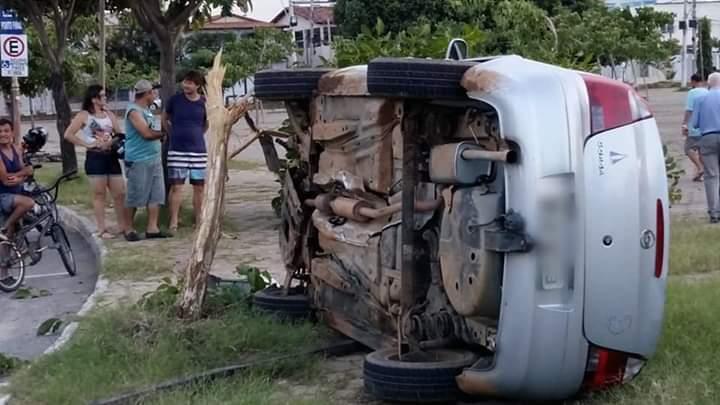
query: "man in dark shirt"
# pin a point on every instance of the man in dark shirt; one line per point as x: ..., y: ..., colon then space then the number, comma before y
x: 186, y: 121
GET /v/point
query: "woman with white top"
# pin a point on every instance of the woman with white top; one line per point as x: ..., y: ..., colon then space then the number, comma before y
x: 93, y: 128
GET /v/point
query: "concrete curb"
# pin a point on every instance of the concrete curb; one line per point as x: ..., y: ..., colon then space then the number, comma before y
x: 86, y: 229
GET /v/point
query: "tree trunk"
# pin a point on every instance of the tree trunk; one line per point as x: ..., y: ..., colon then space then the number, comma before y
x: 221, y: 121
x: 167, y: 81
x: 64, y: 115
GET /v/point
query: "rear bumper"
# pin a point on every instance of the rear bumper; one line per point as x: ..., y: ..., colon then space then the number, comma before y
x: 541, y: 354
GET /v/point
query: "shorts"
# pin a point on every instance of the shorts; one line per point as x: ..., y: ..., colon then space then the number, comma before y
x: 178, y: 175
x: 7, y: 203
x: 692, y: 143
x: 102, y: 164
x: 145, y: 183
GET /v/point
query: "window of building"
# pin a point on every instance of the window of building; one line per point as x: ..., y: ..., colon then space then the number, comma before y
x: 299, y: 40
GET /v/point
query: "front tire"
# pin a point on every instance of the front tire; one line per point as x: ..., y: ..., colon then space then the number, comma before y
x: 57, y: 232
x: 427, y: 376
x: 272, y: 300
x: 14, y: 275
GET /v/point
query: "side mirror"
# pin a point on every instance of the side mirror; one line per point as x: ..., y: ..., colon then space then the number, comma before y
x: 457, y: 50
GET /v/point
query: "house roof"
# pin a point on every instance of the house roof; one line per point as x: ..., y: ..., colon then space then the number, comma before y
x: 235, y: 22
x: 318, y: 14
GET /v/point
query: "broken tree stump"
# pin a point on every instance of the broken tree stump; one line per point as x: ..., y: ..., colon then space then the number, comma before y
x: 209, y: 231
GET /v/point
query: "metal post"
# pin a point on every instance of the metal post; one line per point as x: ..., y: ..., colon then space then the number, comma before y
x: 101, y: 62
x: 694, y: 34
x: 312, y: 32
x: 291, y: 11
x: 683, y: 51
x: 15, y: 94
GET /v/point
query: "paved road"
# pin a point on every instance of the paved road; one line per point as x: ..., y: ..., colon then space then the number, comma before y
x: 19, y: 319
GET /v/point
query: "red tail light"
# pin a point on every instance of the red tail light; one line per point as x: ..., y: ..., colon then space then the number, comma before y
x: 605, y: 368
x: 660, y: 243
x: 613, y: 104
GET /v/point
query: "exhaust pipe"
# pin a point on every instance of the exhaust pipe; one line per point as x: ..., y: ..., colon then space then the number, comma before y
x: 507, y: 156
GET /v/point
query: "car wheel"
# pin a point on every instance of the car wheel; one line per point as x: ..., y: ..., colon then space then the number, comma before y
x: 427, y: 376
x: 417, y: 78
x: 287, y: 84
x: 273, y: 301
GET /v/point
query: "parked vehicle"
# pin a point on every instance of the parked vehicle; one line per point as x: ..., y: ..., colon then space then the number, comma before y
x: 492, y: 226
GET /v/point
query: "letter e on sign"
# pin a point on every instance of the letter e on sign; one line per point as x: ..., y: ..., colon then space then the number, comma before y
x: 14, y: 47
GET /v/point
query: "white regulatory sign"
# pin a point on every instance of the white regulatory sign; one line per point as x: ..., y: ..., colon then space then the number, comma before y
x: 14, y: 55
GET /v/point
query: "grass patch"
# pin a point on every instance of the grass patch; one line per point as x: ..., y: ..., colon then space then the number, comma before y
x: 125, y: 348
x: 246, y: 165
x: 246, y: 390
x: 134, y: 263
x: 693, y: 249
x: 9, y: 364
x: 73, y: 192
x: 685, y: 369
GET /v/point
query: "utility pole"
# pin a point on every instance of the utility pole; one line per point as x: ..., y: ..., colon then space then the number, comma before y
x: 15, y: 94
x: 312, y: 32
x: 694, y: 34
x: 101, y: 20
x: 683, y: 51
x: 293, y: 24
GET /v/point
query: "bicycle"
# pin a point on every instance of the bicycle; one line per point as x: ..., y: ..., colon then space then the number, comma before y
x: 42, y: 221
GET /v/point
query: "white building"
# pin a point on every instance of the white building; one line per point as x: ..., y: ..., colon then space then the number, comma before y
x: 703, y: 8
x: 313, y: 27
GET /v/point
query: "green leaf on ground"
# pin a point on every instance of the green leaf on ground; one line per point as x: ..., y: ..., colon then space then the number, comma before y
x: 50, y: 327
x: 22, y: 293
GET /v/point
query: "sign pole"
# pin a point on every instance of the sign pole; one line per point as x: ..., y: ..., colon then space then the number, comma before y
x: 15, y: 94
x: 101, y: 18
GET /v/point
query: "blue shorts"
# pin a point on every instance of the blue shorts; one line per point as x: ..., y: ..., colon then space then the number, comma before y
x: 145, y: 185
x: 178, y: 175
x: 7, y: 203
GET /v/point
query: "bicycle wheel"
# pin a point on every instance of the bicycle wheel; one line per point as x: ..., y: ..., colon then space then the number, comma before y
x: 63, y: 247
x: 12, y: 267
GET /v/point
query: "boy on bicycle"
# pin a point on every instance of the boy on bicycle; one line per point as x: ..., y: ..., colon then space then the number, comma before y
x: 13, y: 173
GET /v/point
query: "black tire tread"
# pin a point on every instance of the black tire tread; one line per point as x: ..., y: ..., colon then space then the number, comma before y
x: 287, y: 84
x: 417, y: 78
x: 391, y: 380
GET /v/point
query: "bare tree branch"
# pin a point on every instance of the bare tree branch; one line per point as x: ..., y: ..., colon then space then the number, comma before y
x: 184, y: 15
x: 36, y: 19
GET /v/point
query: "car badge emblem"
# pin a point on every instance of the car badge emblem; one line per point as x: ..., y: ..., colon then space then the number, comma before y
x: 647, y: 239
x: 616, y: 157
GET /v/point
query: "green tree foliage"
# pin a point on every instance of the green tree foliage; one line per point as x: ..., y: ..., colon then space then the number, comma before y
x: 704, y: 57
x: 422, y: 41
x: 244, y: 56
x: 397, y: 15
x: 576, y: 34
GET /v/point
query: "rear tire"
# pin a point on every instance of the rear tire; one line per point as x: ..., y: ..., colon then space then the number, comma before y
x: 294, y: 307
x: 288, y: 84
x: 421, y: 376
x: 11, y: 259
x: 57, y: 232
x: 417, y: 78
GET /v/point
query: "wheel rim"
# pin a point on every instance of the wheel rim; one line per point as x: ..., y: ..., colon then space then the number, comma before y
x: 12, y: 267
x: 64, y: 249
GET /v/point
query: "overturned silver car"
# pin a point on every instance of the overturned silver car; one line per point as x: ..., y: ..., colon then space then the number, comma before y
x: 492, y: 227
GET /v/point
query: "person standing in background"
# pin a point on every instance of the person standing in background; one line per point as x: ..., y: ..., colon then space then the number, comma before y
x: 692, y: 136
x: 706, y: 119
x: 96, y: 126
x: 143, y: 162
x: 185, y: 120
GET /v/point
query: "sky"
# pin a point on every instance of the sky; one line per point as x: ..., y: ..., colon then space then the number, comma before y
x: 266, y: 9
